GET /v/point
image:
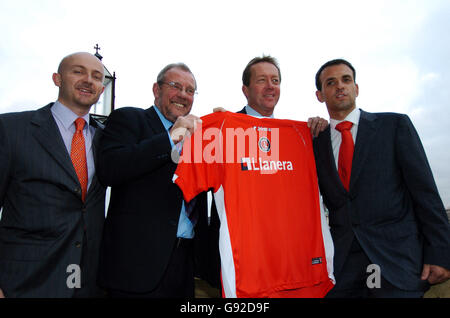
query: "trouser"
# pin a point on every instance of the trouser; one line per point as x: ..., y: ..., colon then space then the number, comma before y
x: 177, y: 280
x: 352, y: 281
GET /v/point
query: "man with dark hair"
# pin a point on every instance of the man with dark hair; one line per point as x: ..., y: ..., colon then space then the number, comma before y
x: 332, y: 63
x: 147, y: 248
x: 389, y: 227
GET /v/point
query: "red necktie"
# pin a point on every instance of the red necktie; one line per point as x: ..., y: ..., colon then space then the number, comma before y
x: 78, y: 156
x: 345, y: 152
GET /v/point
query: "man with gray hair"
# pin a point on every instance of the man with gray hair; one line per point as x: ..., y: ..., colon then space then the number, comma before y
x: 147, y: 248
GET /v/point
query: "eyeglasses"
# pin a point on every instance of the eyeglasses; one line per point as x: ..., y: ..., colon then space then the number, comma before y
x: 175, y: 85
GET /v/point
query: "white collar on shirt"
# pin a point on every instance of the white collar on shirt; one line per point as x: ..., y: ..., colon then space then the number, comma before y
x: 352, y: 117
x: 66, y: 116
x: 336, y: 137
x: 252, y: 112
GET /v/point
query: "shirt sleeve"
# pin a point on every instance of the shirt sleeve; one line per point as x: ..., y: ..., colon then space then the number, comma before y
x: 428, y: 206
x: 201, y: 160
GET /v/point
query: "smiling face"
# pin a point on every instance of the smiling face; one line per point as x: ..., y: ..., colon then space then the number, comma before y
x: 171, y: 101
x: 80, y: 81
x: 263, y: 90
x: 339, y: 90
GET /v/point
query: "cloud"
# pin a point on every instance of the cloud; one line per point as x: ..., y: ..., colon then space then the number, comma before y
x: 430, y: 108
x: 399, y: 49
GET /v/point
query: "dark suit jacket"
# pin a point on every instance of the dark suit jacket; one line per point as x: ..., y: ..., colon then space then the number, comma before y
x: 143, y: 214
x: 392, y: 207
x: 41, y: 229
x: 242, y: 111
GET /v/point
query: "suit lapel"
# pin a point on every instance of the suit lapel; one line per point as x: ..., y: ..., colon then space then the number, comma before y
x: 96, y: 139
x: 154, y: 121
x: 366, y: 132
x: 95, y: 142
x: 47, y: 134
x: 242, y: 111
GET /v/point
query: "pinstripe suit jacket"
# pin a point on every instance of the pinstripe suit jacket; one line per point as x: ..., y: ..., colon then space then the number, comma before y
x: 41, y: 229
x: 393, y: 207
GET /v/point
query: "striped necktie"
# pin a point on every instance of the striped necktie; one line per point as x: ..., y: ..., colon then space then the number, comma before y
x: 78, y: 156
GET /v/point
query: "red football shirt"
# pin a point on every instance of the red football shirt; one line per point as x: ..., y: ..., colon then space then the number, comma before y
x: 263, y: 175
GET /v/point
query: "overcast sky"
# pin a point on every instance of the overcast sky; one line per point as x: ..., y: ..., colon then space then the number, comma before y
x: 400, y: 49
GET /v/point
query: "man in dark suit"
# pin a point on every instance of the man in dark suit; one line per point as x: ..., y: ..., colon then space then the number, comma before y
x: 52, y: 218
x: 388, y: 223
x: 261, y: 81
x: 147, y: 248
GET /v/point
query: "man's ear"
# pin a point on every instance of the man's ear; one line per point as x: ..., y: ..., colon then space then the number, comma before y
x: 319, y: 96
x: 156, y: 90
x: 57, y: 79
x: 245, y: 91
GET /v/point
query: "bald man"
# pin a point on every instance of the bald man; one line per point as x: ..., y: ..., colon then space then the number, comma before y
x: 53, y: 205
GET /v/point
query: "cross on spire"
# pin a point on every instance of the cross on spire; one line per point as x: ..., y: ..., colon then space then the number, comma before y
x: 97, y: 48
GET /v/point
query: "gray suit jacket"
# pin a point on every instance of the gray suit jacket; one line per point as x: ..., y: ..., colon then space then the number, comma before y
x: 44, y: 222
x: 392, y: 207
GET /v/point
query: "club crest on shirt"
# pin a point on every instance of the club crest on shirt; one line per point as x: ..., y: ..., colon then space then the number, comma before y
x: 264, y: 144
